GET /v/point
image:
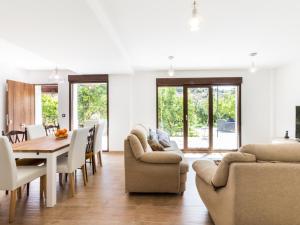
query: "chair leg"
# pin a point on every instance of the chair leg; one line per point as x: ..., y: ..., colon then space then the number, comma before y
x: 45, y: 186
x: 94, y: 164
x: 12, y: 207
x: 83, y: 174
x: 100, y: 158
x: 66, y: 177
x: 6, y: 192
x: 19, y: 192
x: 72, y: 184
x: 86, y: 175
x: 27, y: 188
x: 60, y: 179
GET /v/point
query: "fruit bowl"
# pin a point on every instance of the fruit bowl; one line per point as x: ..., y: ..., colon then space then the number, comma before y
x: 61, y: 133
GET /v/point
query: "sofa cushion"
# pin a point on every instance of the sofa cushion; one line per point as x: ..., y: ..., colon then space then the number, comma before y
x: 161, y: 158
x: 136, y: 146
x: 141, y: 133
x: 289, y: 152
x: 173, y: 147
x: 221, y: 176
x: 163, y: 138
x: 155, y: 145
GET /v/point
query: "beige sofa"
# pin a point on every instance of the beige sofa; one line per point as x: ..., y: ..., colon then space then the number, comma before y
x: 258, y: 185
x: 148, y: 171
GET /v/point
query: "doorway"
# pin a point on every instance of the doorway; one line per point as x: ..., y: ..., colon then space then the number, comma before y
x: 89, y: 102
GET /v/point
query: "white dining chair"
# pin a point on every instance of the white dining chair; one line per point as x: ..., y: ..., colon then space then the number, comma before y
x: 98, y: 141
x: 75, y: 158
x: 35, y: 131
x: 13, y: 177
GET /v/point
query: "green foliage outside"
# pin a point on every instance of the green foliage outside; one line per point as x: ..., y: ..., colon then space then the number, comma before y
x: 92, y: 102
x: 170, y: 108
x: 49, y: 108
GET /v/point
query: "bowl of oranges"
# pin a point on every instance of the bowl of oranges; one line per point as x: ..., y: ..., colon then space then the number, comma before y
x: 61, y: 133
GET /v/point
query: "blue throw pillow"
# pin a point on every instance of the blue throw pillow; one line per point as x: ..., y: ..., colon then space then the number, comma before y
x: 163, y: 138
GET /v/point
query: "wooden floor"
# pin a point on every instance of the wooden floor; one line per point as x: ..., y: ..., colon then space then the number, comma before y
x: 103, y: 201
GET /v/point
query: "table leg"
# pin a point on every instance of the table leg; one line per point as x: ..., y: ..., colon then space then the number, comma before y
x: 51, y: 181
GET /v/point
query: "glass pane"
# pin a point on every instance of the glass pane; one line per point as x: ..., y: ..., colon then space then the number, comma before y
x: 225, y: 117
x: 50, y: 108
x: 198, y: 132
x: 170, y: 112
x: 91, y: 104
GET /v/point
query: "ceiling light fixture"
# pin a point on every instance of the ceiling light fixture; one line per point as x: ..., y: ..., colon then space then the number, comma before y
x: 253, y: 67
x: 196, y: 19
x: 171, y: 71
x: 54, y: 76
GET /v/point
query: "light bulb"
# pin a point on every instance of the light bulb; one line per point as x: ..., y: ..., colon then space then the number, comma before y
x: 253, y: 68
x: 171, y: 72
x: 195, y: 20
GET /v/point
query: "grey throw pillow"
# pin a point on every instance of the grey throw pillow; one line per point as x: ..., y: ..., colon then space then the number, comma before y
x: 163, y: 138
x: 153, y: 135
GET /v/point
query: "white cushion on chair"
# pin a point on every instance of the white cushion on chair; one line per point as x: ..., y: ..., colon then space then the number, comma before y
x: 62, y: 165
x: 11, y: 176
x: 27, y: 174
x: 35, y: 131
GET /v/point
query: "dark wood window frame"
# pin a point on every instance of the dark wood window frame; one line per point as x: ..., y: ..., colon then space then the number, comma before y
x: 94, y: 78
x: 203, y: 82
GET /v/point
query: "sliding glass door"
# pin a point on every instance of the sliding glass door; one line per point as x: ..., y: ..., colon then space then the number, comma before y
x: 197, y: 117
x: 170, y: 111
x: 200, y: 117
x: 225, y: 117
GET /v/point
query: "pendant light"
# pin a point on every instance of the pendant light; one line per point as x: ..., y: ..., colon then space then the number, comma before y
x: 253, y: 67
x: 55, y: 77
x: 171, y: 71
x: 195, y: 19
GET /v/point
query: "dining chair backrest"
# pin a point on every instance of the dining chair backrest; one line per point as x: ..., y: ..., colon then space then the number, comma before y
x: 8, y: 168
x: 98, y: 142
x: 35, y: 131
x: 76, y: 155
x: 51, y: 129
x: 91, y: 123
x: 90, y: 140
x: 16, y: 136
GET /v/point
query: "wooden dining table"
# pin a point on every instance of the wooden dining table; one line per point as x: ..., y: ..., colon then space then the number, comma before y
x: 48, y: 148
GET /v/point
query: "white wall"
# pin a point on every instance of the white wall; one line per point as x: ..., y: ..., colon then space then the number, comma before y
x: 286, y: 98
x: 132, y: 100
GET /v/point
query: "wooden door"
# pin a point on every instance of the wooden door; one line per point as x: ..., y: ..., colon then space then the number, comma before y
x: 20, y: 105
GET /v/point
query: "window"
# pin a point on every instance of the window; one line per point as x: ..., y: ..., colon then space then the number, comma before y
x: 200, y: 113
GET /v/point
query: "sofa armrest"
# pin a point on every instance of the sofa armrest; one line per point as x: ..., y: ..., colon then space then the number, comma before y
x: 205, y: 169
x: 161, y: 157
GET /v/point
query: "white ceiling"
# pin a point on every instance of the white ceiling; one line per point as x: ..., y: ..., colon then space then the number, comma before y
x: 120, y: 36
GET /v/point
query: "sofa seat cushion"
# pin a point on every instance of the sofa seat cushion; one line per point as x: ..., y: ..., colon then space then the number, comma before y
x: 184, y: 166
x: 289, y: 152
x: 221, y: 175
x: 173, y: 147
